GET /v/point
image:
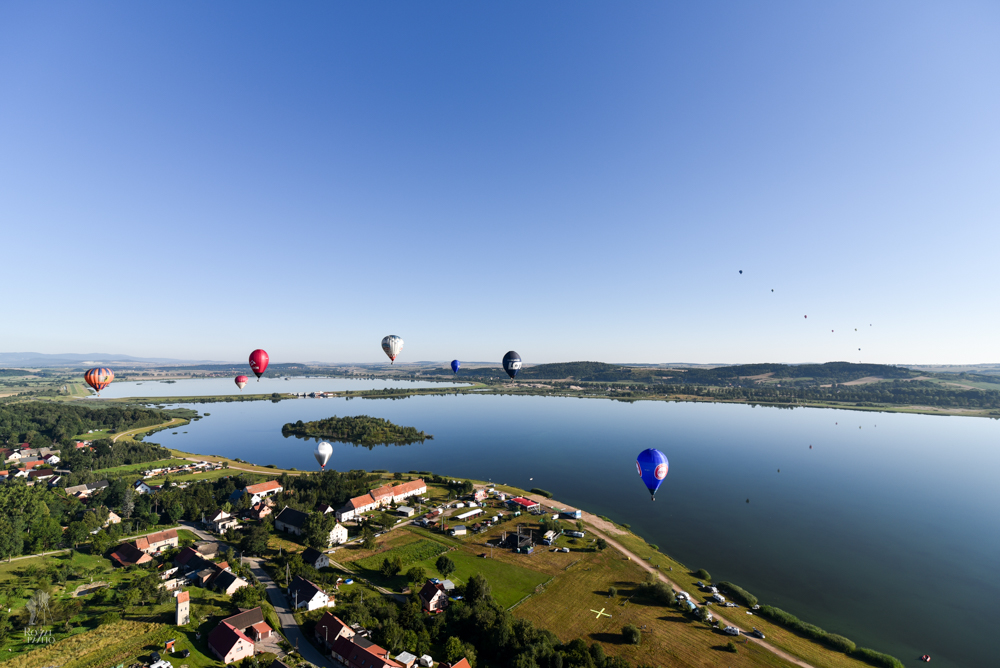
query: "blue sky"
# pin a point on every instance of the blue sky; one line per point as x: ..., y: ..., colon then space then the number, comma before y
x: 570, y: 180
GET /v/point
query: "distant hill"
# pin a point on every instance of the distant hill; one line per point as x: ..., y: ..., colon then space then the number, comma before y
x: 831, y: 372
x: 83, y: 359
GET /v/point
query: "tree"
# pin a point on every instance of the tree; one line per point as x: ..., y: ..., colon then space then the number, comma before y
x: 175, y: 512
x: 703, y: 574
x: 391, y: 566
x: 247, y: 597
x: 11, y: 536
x: 317, y: 528
x: 602, y: 544
x: 368, y: 541
x: 631, y: 634
x: 76, y: 533
x: 454, y: 650
x: 477, y: 589
x: 444, y: 566
x: 612, y: 592
x: 128, y: 502
x: 255, y: 541
x: 101, y: 543
x: 416, y: 574
x: 731, y: 647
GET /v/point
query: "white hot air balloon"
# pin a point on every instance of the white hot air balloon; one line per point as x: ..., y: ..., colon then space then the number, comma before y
x: 322, y: 454
x: 392, y: 344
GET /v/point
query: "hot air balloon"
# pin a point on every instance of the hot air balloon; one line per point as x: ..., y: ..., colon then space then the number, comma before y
x: 322, y: 454
x: 258, y: 362
x: 99, y: 379
x: 652, y: 465
x: 511, y: 363
x: 241, y: 382
x: 392, y: 344
x: 806, y: 317
x: 741, y: 272
x: 454, y: 365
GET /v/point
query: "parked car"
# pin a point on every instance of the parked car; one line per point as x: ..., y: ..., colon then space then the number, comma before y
x: 757, y: 634
x: 732, y: 631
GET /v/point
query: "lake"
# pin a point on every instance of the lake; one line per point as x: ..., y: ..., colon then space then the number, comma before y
x: 887, y: 531
x: 215, y: 387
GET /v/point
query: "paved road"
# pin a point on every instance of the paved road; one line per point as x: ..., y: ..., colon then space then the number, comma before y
x: 289, y: 627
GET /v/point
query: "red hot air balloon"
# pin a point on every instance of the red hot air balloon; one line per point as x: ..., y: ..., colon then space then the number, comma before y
x: 258, y: 362
x: 99, y: 379
x: 241, y: 382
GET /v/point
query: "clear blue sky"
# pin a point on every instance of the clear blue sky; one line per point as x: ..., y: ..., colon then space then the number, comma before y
x: 571, y: 180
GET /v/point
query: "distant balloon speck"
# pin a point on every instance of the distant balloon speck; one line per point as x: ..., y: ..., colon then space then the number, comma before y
x: 741, y: 271
x: 748, y: 500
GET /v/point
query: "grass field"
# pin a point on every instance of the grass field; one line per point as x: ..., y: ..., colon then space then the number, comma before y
x: 138, y: 468
x: 410, y: 553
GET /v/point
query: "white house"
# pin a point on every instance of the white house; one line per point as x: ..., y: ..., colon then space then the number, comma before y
x: 305, y: 594
x: 52, y: 459
x: 142, y: 488
x: 222, y: 521
x: 262, y: 491
x: 315, y: 558
x: 338, y: 535
x: 357, y: 507
x: 408, y: 489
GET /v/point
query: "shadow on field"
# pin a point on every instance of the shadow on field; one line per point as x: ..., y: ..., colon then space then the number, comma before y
x: 608, y: 638
x: 676, y: 620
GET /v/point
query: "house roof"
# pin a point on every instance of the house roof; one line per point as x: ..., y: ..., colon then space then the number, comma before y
x: 100, y: 484
x: 127, y: 554
x: 245, y: 619
x: 269, y: 486
x: 333, y: 623
x: 261, y: 628
x: 311, y: 555
x: 411, y: 486
x: 363, y: 657
x: 307, y: 591
x: 224, y: 637
x: 292, y: 517
x: 361, y: 501
x: 381, y: 492
x: 160, y: 536
x: 226, y: 579
x: 461, y: 663
x: 183, y: 596
x: 430, y: 590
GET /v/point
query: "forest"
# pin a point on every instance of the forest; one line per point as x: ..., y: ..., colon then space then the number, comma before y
x: 44, y: 423
x: 358, y: 429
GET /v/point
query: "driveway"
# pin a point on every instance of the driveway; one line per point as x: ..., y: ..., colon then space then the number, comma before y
x: 289, y: 627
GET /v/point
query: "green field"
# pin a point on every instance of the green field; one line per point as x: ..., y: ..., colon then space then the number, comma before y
x: 138, y: 468
x: 410, y: 553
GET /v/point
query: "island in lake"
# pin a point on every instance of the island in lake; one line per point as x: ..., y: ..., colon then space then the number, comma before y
x: 358, y: 429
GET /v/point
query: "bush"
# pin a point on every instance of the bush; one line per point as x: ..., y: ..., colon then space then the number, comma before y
x: 631, y: 634
x: 541, y: 492
x: 840, y: 643
x: 703, y: 574
x: 612, y: 592
x: 740, y: 594
x: 878, y: 658
x: 731, y: 647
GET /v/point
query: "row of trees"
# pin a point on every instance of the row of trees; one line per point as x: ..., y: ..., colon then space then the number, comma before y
x: 44, y: 423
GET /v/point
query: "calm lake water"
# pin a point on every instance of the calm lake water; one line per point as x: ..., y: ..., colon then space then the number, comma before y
x: 887, y: 531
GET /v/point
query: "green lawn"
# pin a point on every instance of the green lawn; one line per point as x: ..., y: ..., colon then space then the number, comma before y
x: 421, y: 550
x: 510, y: 583
x: 138, y: 468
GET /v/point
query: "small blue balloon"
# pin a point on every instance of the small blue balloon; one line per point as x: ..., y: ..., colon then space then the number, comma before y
x: 454, y: 365
x: 652, y: 465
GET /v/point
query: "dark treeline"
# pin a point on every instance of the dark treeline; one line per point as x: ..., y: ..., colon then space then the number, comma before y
x: 360, y: 429
x: 105, y: 454
x: 44, y: 423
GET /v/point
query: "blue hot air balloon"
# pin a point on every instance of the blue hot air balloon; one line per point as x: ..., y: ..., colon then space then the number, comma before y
x: 454, y: 365
x: 652, y: 465
x: 511, y: 363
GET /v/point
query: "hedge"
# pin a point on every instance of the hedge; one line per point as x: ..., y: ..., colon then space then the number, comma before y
x: 740, y: 594
x: 832, y: 640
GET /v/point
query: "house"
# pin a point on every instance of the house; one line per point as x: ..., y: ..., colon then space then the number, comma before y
x: 84, y: 491
x: 263, y: 490
x: 459, y: 530
x: 221, y: 522
x: 210, y: 550
x: 358, y: 652
x: 315, y: 558
x: 433, y: 597
x: 407, y: 489
x: 338, y: 535
x: 141, y: 488
x: 127, y: 554
x: 185, y: 557
x: 41, y: 474
x: 229, y: 644
x: 183, y: 613
x: 305, y: 594
x: 356, y: 507
x: 228, y: 582
x: 326, y: 509
x: 523, y: 504
x: 329, y: 628
x: 290, y: 520
x: 52, y: 459
x: 461, y: 663
x: 157, y: 542
x: 259, y: 511
x: 406, y: 511
x: 406, y: 659
x: 28, y: 465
